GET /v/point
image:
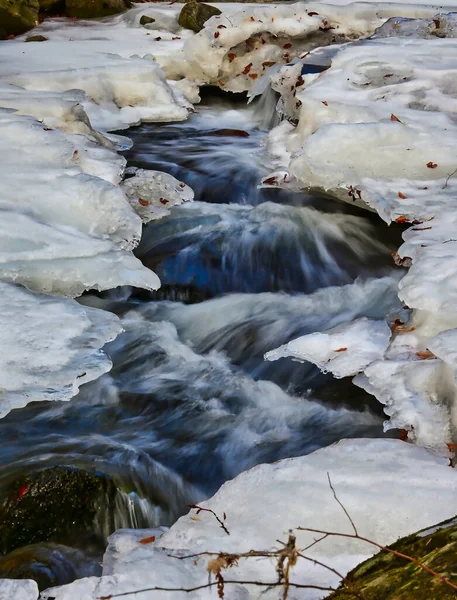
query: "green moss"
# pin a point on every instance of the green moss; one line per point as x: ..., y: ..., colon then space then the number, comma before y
x: 17, y: 16
x: 194, y: 15
x: 93, y: 9
x: 389, y: 577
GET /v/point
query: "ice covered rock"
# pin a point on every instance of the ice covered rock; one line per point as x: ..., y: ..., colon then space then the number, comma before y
x: 152, y: 193
x: 388, y: 487
x: 343, y: 350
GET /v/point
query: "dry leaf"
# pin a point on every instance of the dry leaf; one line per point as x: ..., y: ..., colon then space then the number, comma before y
x: 431, y: 165
x: 401, y: 219
x: 148, y: 540
x: 394, y: 118
x: 402, y: 196
x: 340, y: 350
x: 425, y: 354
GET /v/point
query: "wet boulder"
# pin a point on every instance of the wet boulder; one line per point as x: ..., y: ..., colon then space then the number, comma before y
x: 194, y: 15
x: 57, y: 504
x: 388, y: 577
x: 145, y: 20
x: 48, y: 565
x: 92, y: 9
x: 17, y: 16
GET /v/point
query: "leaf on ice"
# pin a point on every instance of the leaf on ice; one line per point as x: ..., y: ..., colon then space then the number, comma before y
x: 394, y: 118
x: 425, y: 354
x: 402, y: 196
x: 148, y: 540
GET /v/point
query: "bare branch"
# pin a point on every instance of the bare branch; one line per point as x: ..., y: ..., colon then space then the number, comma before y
x: 199, y: 509
x: 341, y: 504
x: 215, y: 583
x: 383, y: 548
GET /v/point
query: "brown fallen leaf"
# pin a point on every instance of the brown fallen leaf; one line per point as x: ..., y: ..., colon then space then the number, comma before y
x: 452, y: 447
x: 216, y: 34
x: 231, y: 56
x: 246, y: 69
x: 401, y: 329
x: 287, y: 46
x: 402, y: 196
x: 253, y: 75
x: 394, y: 118
x: 402, y: 219
x: 340, y: 350
x: 312, y: 13
x: 143, y: 202
x: 148, y: 540
x: 324, y: 102
x: 431, y: 165
x: 424, y: 354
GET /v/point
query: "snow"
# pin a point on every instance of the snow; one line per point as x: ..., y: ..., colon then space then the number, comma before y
x: 344, y: 350
x: 19, y: 589
x: 234, y: 50
x: 389, y: 487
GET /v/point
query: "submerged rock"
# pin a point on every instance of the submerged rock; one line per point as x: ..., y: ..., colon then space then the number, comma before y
x: 388, y: 577
x: 56, y: 504
x: 48, y: 565
x: 194, y: 15
x: 17, y: 16
x: 92, y: 9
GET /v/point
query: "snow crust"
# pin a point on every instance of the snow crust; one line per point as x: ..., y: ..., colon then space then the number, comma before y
x: 372, y: 479
x: 235, y: 50
x: 344, y: 350
x: 19, y: 589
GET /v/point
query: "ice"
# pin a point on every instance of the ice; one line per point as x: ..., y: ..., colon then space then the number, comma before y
x: 344, y: 350
x: 235, y: 50
x: 19, y: 589
x: 153, y: 193
x: 51, y: 346
x: 377, y: 129
x: 389, y: 488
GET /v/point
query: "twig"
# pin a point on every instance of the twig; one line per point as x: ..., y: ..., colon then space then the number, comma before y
x: 448, y: 177
x: 326, y: 534
x: 199, y: 509
x: 341, y: 504
x: 215, y: 583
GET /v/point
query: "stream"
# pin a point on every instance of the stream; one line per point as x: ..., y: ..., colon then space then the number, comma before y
x: 190, y: 402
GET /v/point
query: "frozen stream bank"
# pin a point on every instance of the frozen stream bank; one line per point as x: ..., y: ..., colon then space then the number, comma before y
x: 190, y: 402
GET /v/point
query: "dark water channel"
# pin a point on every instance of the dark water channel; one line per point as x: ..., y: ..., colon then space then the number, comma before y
x: 190, y: 401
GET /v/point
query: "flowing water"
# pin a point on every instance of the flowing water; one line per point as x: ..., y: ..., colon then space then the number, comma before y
x: 190, y: 402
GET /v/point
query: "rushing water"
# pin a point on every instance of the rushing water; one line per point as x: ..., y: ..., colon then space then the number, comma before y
x: 190, y: 401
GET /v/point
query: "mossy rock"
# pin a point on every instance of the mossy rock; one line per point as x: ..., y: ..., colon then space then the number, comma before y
x: 17, y: 16
x: 36, y: 38
x: 93, y: 9
x: 194, y: 15
x: 57, y: 504
x: 145, y: 20
x: 388, y: 577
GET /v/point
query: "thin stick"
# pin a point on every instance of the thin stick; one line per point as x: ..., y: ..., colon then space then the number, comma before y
x: 341, y: 504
